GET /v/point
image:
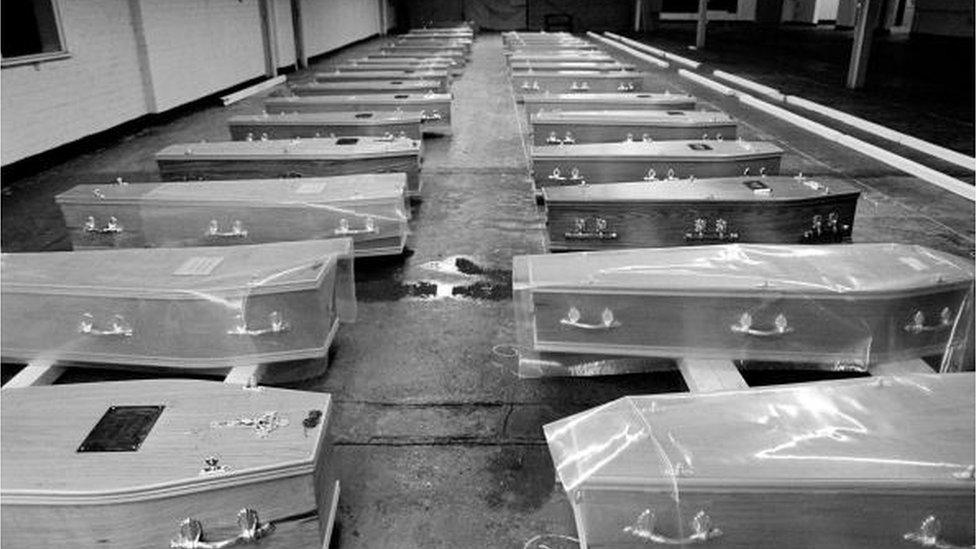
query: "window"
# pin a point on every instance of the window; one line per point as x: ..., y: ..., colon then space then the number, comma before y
x: 30, y: 32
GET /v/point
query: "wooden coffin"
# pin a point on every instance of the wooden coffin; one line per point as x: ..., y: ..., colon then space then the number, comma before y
x: 288, y: 125
x: 434, y: 109
x: 577, y: 81
x: 774, y: 209
x: 566, y: 57
x: 413, y: 61
x: 143, y: 464
x: 637, y: 160
x: 580, y: 65
x: 177, y: 308
x: 368, y: 86
x: 858, y: 303
x: 456, y: 53
x: 432, y: 43
x: 275, y: 159
x: 570, y: 127
x: 443, y: 78
x: 858, y: 463
x: 401, y: 67
x: 606, y: 102
x: 368, y: 208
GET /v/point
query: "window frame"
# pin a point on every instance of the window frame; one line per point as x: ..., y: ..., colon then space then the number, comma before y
x: 43, y: 57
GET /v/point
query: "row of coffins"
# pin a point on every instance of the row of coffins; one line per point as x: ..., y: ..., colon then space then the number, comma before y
x: 690, y: 247
x: 239, y: 262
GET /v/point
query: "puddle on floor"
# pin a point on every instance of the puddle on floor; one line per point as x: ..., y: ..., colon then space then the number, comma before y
x: 455, y: 277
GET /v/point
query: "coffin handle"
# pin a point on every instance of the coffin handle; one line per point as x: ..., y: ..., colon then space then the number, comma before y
x: 701, y: 530
x: 780, y: 327
x: 929, y: 535
x: 369, y: 227
x: 237, y: 230
x: 573, y: 316
x: 276, y: 325
x: 112, y: 227
x: 118, y: 326
x: 191, y: 533
x: 917, y: 324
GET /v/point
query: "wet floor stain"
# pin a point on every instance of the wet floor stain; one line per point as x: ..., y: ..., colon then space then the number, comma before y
x: 522, y: 478
x: 458, y: 277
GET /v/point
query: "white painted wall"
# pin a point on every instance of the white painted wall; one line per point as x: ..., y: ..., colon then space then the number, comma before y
x: 98, y: 87
x: 285, y: 33
x: 827, y: 10
x: 331, y: 24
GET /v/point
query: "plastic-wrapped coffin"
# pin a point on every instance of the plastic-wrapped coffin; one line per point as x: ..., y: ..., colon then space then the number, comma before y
x: 442, y: 77
x: 775, y: 209
x: 446, y: 63
x: 149, y: 464
x: 288, y: 125
x: 437, y: 44
x: 521, y: 66
x: 275, y: 159
x: 607, y: 102
x: 456, y: 54
x: 576, y: 81
x: 374, y: 65
x: 647, y: 160
x: 368, y: 87
x: 858, y: 463
x: 857, y: 304
x: 368, y: 208
x: 557, y: 57
x: 178, y: 308
x: 571, y: 127
x: 434, y: 108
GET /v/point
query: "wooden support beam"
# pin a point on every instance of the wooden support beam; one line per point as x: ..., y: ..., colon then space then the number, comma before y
x: 702, y: 23
x: 35, y: 374
x: 269, y: 37
x: 249, y: 375
x: 917, y: 366
x: 706, y: 376
x: 866, y: 19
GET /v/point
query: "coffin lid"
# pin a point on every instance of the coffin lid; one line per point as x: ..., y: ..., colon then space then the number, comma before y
x: 632, y: 118
x: 299, y: 192
x: 318, y: 148
x: 41, y: 464
x: 580, y: 73
x: 807, y: 270
x: 678, y: 149
x: 175, y: 273
x: 405, y: 82
x: 905, y: 431
x: 380, y: 74
x: 734, y: 189
x: 364, y: 98
x: 348, y: 118
x: 585, y: 98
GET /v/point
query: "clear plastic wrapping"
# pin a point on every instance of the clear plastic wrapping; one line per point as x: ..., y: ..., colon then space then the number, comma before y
x: 185, y: 308
x: 842, y: 305
x: 369, y: 208
x: 853, y: 463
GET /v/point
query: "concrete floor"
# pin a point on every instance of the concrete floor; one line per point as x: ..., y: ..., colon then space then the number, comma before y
x: 438, y: 443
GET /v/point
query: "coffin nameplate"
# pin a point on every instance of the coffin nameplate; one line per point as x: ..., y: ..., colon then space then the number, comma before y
x: 121, y: 429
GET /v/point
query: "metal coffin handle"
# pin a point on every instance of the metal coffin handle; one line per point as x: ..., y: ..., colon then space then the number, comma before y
x: 701, y: 530
x: 369, y: 227
x: 191, y: 533
x: 781, y: 326
x: 112, y: 227
x: 572, y: 319
x: 117, y: 327
x: 929, y: 535
x: 237, y: 230
x: 276, y: 325
x: 600, y: 230
x: 917, y: 324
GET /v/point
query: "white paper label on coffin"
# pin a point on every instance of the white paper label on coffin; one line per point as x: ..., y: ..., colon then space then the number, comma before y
x: 127, y: 306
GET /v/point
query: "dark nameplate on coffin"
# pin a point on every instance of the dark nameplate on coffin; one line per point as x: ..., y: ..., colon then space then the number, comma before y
x: 287, y: 125
x: 369, y: 208
x: 198, y: 308
x: 443, y: 78
x: 581, y: 81
x: 858, y: 303
x: 555, y: 66
x: 434, y: 109
x: 367, y: 87
x: 381, y: 65
x: 646, y: 214
x: 851, y: 464
x: 596, y: 163
x: 213, y: 450
x: 535, y: 102
x: 274, y: 159
x: 570, y: 127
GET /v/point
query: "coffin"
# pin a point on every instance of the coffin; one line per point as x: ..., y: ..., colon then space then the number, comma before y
x: 520, y: 66
x: 576, y: 81
x: 177, y: 308
x: 446, y: 63
x: 607, y: 102
x: 564, y: 57
x: 368, y: 87
x: 636, y: 160
x: 434, y: 108
x: 858, y: 304
x: 456, y: 54
x: 288, y: 125
x: 772, y: 210
x: 442, y: 77
x: 569, y: 127
x: 403, y: 68
x: 275, y: 159
x: 368, y: 208
x: 858, y: 463
x: 429, y: 42
x: 130, y: 464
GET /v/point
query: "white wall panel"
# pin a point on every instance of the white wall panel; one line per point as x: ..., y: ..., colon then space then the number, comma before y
x: 285, y: 32
x: 331, y: 24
